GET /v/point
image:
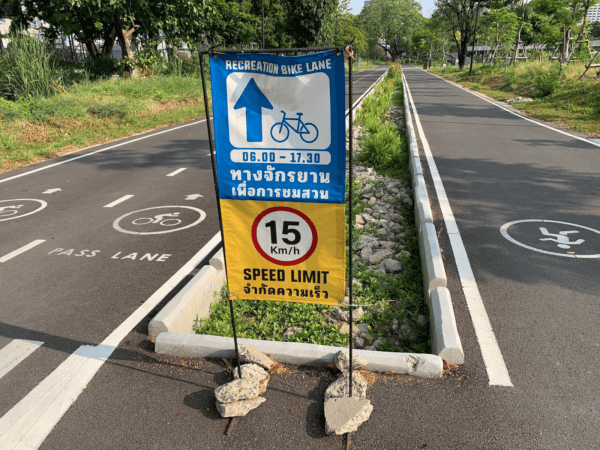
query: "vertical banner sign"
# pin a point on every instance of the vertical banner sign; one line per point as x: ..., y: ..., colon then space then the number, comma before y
x: 281, y: 169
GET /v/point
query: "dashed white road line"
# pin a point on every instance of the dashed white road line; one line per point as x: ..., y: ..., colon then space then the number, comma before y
x: 172, y: 174
x: 116, y: 202
x: 21, y: 250
x: 15, y: 352
x: 30, y: 421
x: 490, y: 350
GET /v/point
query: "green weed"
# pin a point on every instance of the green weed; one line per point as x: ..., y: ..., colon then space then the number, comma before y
x: 28, y: 69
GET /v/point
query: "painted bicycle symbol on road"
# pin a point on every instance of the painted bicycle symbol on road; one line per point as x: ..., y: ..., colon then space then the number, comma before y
x: 158, y: 219
x: 7, y: 211
x: 280, y: 131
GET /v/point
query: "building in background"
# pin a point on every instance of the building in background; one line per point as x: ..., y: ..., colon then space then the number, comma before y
x: 593, y: 14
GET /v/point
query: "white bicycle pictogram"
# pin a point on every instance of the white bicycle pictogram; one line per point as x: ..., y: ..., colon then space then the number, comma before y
x: 6, y: 211
x: 281, y: 130
x: 158, y: 219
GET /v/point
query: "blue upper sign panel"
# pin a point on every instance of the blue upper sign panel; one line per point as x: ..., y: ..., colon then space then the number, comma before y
x: 280, y: 126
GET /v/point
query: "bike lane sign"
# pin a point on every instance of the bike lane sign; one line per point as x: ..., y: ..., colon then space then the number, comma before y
x: 280, y: 122
x: 281, y: 159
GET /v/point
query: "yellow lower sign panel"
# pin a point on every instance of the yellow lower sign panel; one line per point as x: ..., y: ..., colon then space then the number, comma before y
x: 285, y: 251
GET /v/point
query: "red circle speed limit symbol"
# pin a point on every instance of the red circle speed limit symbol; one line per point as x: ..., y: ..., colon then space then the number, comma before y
x: 284, y: 236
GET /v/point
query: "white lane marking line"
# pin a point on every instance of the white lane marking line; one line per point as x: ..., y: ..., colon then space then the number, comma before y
x: 597, y: 144
x: 50, y: 191
x: 23, y: 249
x: 99, y: 151
x: 15, y: 352
x: 23, y: 418
x: 172, y: 174
x: 193, y: 196
x: 30, y: 422
x: 116, y: 202
x: 492, y: 356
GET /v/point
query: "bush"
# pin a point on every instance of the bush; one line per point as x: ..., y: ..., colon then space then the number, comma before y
x: 382, y: 150
x: 395, y: 70
x: 108, y: 110
x: 10, y: 110
x: 28, y: 68
x: 103, y: 67
x: 546, y: 84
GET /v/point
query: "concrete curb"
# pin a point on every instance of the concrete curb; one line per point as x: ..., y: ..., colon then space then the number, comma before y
x: 445, y: 339
x: 193, y: 301
x: 196, y: 345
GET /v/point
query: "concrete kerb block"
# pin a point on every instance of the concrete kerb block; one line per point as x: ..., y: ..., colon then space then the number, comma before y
x: 423, y: 212
x: 204, y: 346
x: 192, y: 302
x: 218, y: 260
x: 442, y: 326
x: 434, y: 274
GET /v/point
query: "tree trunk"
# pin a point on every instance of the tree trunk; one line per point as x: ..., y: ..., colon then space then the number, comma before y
x: 126, y: 44
x: 109, y: 42
x: 91, y: 47
x: 517, y: 45
x: 565, y: 50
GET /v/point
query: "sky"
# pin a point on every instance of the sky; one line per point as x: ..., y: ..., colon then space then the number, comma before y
x: 356, y: 6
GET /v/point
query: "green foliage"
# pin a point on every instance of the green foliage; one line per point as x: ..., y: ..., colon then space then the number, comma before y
x: 594, y: 31
x: 28, y: 68
x: 268, y: 320
x: 7, y: 142
x: 546, y: 84
x: 103, y: 67
x: 382, y: 150
x: 108, y: 110
x: 393, y: 21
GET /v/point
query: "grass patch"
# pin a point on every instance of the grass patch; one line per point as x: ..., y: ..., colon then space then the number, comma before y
x: 559, y: 96
x: 91, y: 113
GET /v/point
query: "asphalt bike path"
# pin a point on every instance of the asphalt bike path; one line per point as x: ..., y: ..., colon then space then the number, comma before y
x: 523, y: 197
x: 86, y: 239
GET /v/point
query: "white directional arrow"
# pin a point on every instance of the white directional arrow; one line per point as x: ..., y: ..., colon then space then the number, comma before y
x: 50, y: 191
x: 193, y: 196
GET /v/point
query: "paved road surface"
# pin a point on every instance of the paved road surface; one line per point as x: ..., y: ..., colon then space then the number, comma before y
x: 83, y: 244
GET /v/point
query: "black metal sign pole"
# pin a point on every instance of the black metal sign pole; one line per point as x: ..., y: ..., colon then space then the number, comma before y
x: 211, y: 144
x: 350, y: 218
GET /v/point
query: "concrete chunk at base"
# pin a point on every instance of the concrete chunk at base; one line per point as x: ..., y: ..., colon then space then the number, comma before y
x: 345, y: 415
x: 444, y: 333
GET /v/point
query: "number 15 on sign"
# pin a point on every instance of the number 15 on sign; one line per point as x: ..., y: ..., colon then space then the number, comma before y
x: 284, y: 236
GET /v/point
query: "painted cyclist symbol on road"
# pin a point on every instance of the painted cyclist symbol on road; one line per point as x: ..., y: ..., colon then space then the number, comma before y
x: 280, y: 131
x: 575, y: 241
x: 20, y: 207
x: 159, y: 220
x: 561, y: 238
